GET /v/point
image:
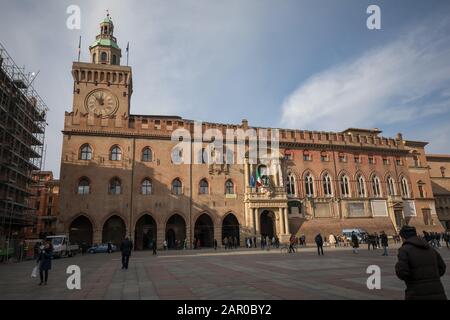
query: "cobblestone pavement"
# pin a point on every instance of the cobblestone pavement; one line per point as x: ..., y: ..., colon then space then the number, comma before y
x: 206, y: 274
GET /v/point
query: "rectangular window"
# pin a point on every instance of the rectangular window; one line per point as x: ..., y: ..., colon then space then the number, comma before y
x: 399, y: 162
x: 371, y: 160
x: 307, y: 157
x: 385, y: 161
x: 342, y: 158
x: 357, y: 159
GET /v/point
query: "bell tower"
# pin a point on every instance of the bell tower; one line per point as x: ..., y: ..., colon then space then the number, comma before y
x: 102, y: 86
x: 105, y: 49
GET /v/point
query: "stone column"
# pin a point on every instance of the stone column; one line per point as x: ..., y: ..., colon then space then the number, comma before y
x: 286, y: 221
x: 280, y: 223
x: 97, y: 236
x: 257, y: 224
x: 280, y: 174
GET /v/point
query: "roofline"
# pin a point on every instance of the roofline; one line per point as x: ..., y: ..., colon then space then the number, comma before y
x: 438, y: 156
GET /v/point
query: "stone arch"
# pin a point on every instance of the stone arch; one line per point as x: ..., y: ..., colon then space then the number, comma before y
x: 81, y: 230
x: 268, y: 220
x: 175, y: 231
x: 204, y: 230
x: 231, y: 227
x: 114, y: 230
x: 145, y: 231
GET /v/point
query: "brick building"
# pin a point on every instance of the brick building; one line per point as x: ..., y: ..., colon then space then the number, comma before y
x: 440, y: 182
x: 45, y: 200
x: 118, y: 175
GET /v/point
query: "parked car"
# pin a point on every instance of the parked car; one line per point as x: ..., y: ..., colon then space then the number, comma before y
x: 101, y: 248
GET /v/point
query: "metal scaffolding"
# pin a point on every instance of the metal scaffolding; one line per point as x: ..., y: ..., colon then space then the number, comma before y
x: 22, y: 134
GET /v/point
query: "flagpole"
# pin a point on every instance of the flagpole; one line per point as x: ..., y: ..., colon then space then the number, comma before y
x: 79, y: 49
x: 128, y: 51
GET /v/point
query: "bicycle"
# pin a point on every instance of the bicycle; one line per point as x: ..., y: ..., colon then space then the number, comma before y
x: 285, y: 248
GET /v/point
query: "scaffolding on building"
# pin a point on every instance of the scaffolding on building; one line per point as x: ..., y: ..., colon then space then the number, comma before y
x: 22, y: 133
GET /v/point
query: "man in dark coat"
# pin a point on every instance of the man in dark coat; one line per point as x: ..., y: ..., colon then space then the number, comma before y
x: 420, y: 266
x: 355, y: 242
x: 126, y: 248
x: 319, y: 243
x: 384, y: 243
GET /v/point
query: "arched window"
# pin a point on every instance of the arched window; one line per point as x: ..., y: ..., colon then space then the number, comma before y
x: 115, y: 186
x: 405, y: 188
x: 115, y: 153
x: 203, y: 187
x: 104, y: 56
x: 443, y: 172
x: 326, y: 181
x: 309, y: 185
x: 83, y: 186
x: 94, y: 58
x: 146, y: 187
x: 147, y: 155
x: 85, y: 152
x: 361, y: 186
x: 114, y: 59
x: 177, y: 187
x: 345, y: 186
x: 229, y: 187
x: 290, y: 185
x: 376, y: 187
x: 391, y: 186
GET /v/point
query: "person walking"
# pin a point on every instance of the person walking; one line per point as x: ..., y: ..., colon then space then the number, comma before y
x: 154, y: 247
x: 355, y: 242
x: 447, y: 239
x: 165, y: 245
x: 420, y: 267
x: 126, y: 248
x: 215, y: 244
x: 45, y: 262
x: 384, y: 243
x: 109, y: 247
x: 291, y: 244
x: 319, y: 243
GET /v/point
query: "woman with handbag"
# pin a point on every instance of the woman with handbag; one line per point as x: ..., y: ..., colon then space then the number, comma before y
x: 45, y: 262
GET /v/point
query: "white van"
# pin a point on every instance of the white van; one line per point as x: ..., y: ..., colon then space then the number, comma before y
x: 360, y: 233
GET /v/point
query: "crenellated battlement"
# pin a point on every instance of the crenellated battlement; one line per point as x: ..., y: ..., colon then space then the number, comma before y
x: 163, y: 126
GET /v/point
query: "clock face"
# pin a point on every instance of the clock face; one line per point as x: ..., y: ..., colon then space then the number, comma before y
x: 102, y: 102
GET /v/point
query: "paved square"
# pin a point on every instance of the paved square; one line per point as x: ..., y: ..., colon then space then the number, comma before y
x: 206, y: 274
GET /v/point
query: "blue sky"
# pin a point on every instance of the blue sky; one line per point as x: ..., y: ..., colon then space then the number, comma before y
x: 278, y: 63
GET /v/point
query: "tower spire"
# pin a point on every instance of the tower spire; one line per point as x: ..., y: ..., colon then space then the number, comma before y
x: 105, y: 49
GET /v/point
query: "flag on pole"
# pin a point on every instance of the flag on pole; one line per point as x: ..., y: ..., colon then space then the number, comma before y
x: 128, y: 49
x: 258, y: 177
x: 252, y: 181
x: 79, y: 49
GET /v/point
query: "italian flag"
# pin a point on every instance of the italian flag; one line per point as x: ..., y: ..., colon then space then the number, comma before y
x: 258, y: 177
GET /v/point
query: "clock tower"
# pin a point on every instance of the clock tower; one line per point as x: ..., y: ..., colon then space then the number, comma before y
x: 103, y: 87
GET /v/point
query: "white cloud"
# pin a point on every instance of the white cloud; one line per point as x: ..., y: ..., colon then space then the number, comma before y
x: 388, y: 85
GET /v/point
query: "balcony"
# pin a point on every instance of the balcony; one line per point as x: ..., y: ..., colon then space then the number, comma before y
x: 270, y: 193
x: 395, y: 198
